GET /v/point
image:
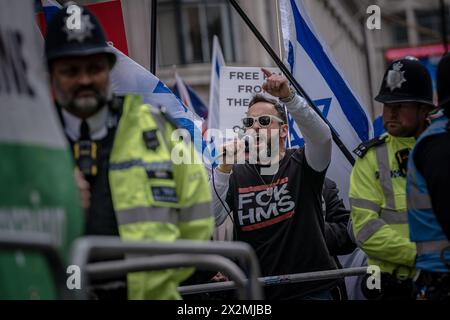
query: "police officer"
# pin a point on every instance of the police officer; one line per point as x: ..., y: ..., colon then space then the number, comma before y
x: 427, y: 192
x: 377, y: 184
x: 123, y: 149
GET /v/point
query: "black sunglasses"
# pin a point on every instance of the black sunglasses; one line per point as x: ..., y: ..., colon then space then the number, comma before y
x: 264, y: 120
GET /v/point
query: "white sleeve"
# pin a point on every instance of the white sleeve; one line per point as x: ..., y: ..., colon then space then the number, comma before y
x: 317, y: 134
x: 219, y: 187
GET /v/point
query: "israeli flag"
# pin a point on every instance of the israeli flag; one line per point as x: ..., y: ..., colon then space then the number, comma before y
x: 128, y: 76
x: 315, y: 70
x: 50, y: 8
x: 378, y: 128
x: 190, y: 98
x: 217, y: 62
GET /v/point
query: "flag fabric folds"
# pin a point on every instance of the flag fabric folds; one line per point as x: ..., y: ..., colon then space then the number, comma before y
x: 128, y: 76
x: 217, y: 62
x: 315, y: 70
x: 189, y: 97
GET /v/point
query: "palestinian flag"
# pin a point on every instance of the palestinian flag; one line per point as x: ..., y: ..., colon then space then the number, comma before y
x: 37, y: 190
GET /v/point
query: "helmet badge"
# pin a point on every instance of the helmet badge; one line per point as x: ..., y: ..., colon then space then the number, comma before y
x: 395, y: 78
x: 78, y: 26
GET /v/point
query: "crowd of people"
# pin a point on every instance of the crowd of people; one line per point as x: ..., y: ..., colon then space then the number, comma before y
x: 293, y: 217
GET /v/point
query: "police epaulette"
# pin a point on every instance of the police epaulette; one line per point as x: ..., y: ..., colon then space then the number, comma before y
x: 362, y: 149
x: 116, y: 104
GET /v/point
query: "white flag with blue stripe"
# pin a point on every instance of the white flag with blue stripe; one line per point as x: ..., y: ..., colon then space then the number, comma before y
x: 217, y: 62
x: 127, y: 76
x: 317, y: 73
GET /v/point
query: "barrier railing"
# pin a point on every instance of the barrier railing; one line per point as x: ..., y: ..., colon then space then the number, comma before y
x: 183, y: 253
x: 275, y: 280
x: 193, y: 253
x: 115, y: 269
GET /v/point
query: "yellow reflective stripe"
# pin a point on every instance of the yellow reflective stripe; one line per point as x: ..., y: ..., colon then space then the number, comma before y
x: 385, y: 175
x: 417, y: 199
x: 431, y: 246
x: 196, y: 212
x: 147, y: 214
x: 394, y: 217
x: 365, y: 204
x: 368, y: 230
x: 149, y: 166
x: 388, y: 216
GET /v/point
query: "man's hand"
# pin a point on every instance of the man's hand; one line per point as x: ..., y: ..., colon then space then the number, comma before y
x: 276, y: 85
x: 219, y: 277
x: 83, y: 188
x: 231, y: 149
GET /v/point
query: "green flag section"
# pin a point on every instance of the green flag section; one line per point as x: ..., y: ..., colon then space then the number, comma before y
x: 37, y: 189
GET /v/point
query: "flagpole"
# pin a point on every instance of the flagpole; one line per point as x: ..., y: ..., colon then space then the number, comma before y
x: 277, y: 9
x: 292, y: 80
x: 280, y: 54
x: 443, y: 25
x: 153, y: 37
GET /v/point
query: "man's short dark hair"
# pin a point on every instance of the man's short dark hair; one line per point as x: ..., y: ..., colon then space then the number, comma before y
x: 278, y: 107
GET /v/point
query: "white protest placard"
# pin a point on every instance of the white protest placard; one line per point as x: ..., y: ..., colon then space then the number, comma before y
x: 237, y: 87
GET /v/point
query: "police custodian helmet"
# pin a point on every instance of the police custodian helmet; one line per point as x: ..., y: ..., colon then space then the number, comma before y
x: 443, y: 81
x: 75, y: 31
x: 406, y: 80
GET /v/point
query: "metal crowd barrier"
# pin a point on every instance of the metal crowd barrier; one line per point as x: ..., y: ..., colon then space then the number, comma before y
x: 275, y: 280
x: 115, y: 269
x: 43, y: 244
x: 182, y: 253
x: 161, y: 255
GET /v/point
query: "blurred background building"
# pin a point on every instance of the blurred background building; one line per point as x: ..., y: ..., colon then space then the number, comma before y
x: 186, y: 28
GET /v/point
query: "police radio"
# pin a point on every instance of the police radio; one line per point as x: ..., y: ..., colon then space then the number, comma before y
x: 402, y: 160
x: 85, y: 154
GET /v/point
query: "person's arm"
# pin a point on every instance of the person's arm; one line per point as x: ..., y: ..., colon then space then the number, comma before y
x: 336, y: 220
x: 219, y: 184
x: 376, y: 238
x: 317, y: 134
x: 219, y: 180
x: 432, y: 161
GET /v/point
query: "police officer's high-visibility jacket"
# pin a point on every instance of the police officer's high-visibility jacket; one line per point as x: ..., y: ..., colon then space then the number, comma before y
x: 154, y: 197
x: 425, y: 230
x: 378, y: 200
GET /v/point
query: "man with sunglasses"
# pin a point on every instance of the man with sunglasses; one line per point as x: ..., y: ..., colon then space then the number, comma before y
x: 279, y: 214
